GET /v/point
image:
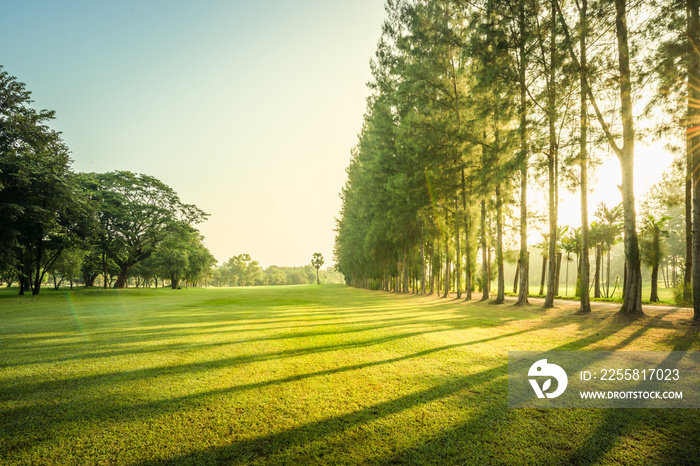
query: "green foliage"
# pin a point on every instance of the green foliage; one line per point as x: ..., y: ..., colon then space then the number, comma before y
x: 42, y: 207
x: 68, y: 266
x: 136, y: 212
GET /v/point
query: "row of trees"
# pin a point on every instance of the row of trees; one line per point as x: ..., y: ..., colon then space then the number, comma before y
x: 69, y: 225
x: 473, y: 101
x: 241, y: 270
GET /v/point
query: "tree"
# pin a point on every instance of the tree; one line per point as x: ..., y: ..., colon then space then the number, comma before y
x: 570, y: 244
x: 693, y: 135
x: 42, y: 207
x: 583, y: 163
x: 651, y: 248
x: 608, y: 231
x: 675, y: 66
x: 136, y: 213
x: 171, y: 257
x: 317, y: 261
x: 632, y: 295
x: 242, y: 270
x: 68, y: 266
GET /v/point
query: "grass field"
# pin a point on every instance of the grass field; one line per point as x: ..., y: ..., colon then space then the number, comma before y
x: 311, y: 375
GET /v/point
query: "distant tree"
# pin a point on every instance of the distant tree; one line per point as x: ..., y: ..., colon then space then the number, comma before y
x: 171, y: 257
x: 608, y: 230
x: 181, y: 256
x: 317, y: 261
x: 68, y: 266
x: 241, y: 270
x: 570, y: 244
x: 651, y: 248
x: 275, y: 276
x: 201, y: 262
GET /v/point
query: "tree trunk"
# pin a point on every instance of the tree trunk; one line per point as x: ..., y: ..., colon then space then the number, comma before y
x: 552, y: 160
x: 585, y: 267
x: 431, y: 275
x: 484, y: 255
x: 422, y: 262
x: 523, y: 260
x: 656, y: 258
x: 458, y: 258
x: 517, y: 275
x: 544, y: 274
x: 687, y: 276
x: 556, y: 280
x: 632, y: 298
x: 104, y: 269
x: 596, y: 279
x: 501, y: 290
x: 654, y: 284
x: 664, y: 274
x: 432, y: 269
x: 405, y: 271
x: 447, y: 263
x: 607, y: 273
x: 39, y: 253
x: 123, y: 275
x: 577, y: 290
x: 694, y: 137
x: 467, y: 247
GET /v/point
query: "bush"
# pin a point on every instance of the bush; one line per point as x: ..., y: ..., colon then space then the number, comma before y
x: 682, y: 295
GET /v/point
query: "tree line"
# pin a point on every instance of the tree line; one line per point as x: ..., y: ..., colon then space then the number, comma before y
x: 471, y: 103
x: 241, y: 270
x: 84, y: 226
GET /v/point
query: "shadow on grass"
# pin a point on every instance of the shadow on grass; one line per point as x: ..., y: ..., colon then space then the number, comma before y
x: 77, y: 410
x: 280, y: 443
x: 263, y: 448
x: 131, y: 336
x: 82, y: 408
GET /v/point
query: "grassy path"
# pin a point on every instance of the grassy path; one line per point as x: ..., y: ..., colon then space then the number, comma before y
x: 310, y: 375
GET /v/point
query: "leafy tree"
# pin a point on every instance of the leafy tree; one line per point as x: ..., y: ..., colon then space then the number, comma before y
x: 317, y: 261
x: 68, y: 266
x: 651, y: 248
x: 136, y: 213
x: 42, y: 206
x: 570, y: 244
x: 241, y: 270
x: 171, y: 257
x: 608, y: 232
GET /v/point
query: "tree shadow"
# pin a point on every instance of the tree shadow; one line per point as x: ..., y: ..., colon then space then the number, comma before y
x: 265, y: 448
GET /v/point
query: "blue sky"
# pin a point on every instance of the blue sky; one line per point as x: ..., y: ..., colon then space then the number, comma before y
x: 248, y: 109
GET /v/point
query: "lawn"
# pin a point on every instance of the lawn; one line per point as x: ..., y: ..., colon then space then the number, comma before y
x: 311, y: 375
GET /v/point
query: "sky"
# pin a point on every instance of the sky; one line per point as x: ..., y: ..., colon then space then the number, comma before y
x: 248, y: 109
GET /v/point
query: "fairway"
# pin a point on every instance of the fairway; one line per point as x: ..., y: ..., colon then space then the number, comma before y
x: 310, y: 375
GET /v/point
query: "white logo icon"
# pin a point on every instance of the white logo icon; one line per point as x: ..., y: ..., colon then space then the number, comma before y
x: 542, y: 368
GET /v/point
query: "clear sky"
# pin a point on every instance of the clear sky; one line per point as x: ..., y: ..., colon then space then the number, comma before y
x: 248, y: 109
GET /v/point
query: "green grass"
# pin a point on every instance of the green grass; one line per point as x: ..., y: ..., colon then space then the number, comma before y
x: 310, y: 375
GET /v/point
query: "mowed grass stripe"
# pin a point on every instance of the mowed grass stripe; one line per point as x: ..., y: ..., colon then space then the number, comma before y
x: 309, y: 374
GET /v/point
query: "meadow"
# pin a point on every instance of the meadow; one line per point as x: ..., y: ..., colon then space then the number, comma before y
x: 311, y: 375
